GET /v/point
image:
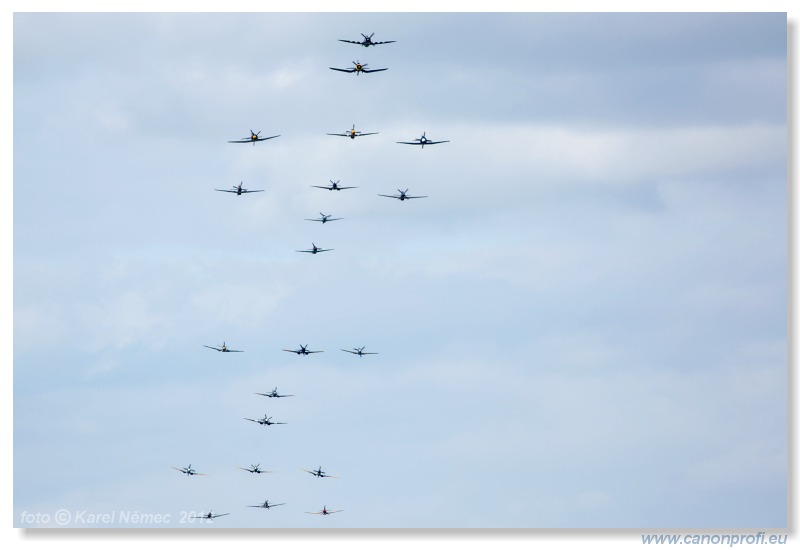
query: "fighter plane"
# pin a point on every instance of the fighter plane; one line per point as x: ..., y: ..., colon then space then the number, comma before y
x: 324, y: 218
x: 359, y: 68
x: 302, y: 351
x: 315, y: 249
x: 325, y: 511
x: 254, y: 468
x: 253, y: 138
x: 266, y: 505
x: 239, y: 190
x: 360, y: 351
x: 273, y: 393
x: 353, y: 134
x: 423, y: 141
x: 224, y: 348
x: 318, y: 472
x: 367, y: 41
x: 266, y: 421
x: 209, y: 516
x: 402, y: 196
x: 188, y: 471
x: 333, y: 187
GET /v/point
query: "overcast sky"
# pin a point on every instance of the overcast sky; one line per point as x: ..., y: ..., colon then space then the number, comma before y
x: 582, y: 325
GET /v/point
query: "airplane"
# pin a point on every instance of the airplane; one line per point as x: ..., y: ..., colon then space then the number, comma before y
x: 334, y: 186
x: 254, y: 469
x: 273, y: 393
x: 266, y: 421
x: 302, y: 351
x: 188, y: 471
x: 209, y: 516
x: 315, y: 249
x: 318, y: 472
x: 239, y: 190
x: 353, y: 134
x: 266, y: 505
x: 367, y: 41
x: 325, y: 511
x: 359, y: 68
x: 224, y: 348
x: 423, y: 141
x: 402, y: 196
x: 253, y: 138
x: 360, y: 351
x: 324, y: 219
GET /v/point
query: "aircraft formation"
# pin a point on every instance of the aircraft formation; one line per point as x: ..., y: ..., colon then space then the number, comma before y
x: 303, y: 350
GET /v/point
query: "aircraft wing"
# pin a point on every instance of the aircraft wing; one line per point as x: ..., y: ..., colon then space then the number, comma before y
x: 251, y: 420
x: 367, y: 134
x: 236, y: 350
x: 229, y: 190
x: 417, y: 197
x: 372, y: 70
x: 385, y: 42
x: 249, y: 191
x: 435, y: 142
x: 343, y: 70
x: 345, y: 135
x: 212, y: 347
x: 348, y: 351
x: 390, y: 196
x: 266, y: 138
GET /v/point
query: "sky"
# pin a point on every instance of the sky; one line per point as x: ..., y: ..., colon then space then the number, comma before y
x: 583, y: 325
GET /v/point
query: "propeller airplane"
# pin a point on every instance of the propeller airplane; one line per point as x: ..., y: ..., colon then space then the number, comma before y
x: 224, y: 349
x: 334, y: 186
x: 367, y: 41
x: 353, y: 134
x: 358, y: 69
x: 403, y: 196
x: 254, y: 137
x: 239, y: 190
x: 423, y: 141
